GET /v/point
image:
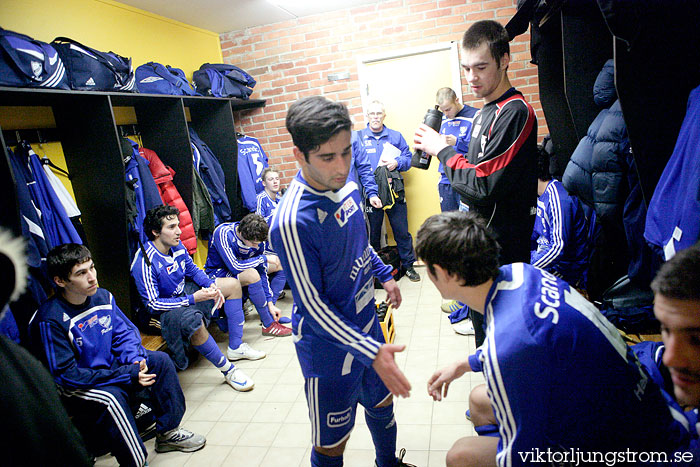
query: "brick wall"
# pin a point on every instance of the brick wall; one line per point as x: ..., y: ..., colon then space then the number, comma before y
x: 292, y: 59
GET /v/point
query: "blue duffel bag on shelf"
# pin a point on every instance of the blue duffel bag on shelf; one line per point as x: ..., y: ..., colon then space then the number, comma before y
x: 222, y: 80
x: 154, y: 78
x: 25, y: 62
x: 92, y: 70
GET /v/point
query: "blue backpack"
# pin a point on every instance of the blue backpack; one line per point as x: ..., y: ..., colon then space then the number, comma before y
x: 92, y: 70
x: 25, y: 62
x: 154, y: 78
x: 222, y: 80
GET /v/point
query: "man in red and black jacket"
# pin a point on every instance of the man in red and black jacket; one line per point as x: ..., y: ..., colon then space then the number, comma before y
x: 497, y: 177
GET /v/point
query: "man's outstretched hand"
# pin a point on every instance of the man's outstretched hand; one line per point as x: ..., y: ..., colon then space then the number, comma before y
x: 385, y: 366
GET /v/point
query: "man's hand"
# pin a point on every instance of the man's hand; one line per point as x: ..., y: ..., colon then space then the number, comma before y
x: 441, y: 379
x: 274, y: 311
x: 451, y: 140
x: 207, y: 293
x: 375, y: 202
x: 389, y: 372
x: 392, y: 164
x: 428, y: 140
x: 393, y: 293
x: 145, y: 379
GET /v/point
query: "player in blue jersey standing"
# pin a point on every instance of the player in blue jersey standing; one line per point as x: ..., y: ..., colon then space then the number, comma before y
x: 95, y: 356
x: 321, y: 237
x: 559, y: 378
x: 456, y: 127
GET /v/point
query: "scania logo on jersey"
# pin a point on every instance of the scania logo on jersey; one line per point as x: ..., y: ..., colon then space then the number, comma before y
x: 336, y: 419
x: 344, y: 212
x: 89, y: 323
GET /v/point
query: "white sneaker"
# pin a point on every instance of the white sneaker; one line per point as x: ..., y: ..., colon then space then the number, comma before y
x: 239, y: 380
x: 464, y: 327
x: 244, y: 351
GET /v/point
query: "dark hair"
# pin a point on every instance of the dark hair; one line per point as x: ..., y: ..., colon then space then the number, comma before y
x: 61, y: 259
x: 491, y: 32
x: 679, y: 277
x: 461, y: 244
x: 543, y: 161
x: 153, y: 222
x: 253, y: 228
x: 266, y: 171
x: 314, y: 120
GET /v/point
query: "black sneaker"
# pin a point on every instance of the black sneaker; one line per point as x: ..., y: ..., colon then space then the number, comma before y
x: 399, y: 460
x: 412, y: 275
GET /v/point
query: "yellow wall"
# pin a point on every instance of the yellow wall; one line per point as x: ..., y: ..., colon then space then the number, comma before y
x: 106, y: 25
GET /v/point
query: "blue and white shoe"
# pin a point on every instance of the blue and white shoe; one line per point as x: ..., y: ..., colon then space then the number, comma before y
x: 239, y: 380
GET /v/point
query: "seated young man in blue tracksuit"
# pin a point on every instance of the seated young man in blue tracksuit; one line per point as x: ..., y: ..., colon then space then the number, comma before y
x: 95, y: 356
x: 181, y: 308
x: 559, y: 378
x: 560, y: 236
x: 268, y: 199
x: 238, y: 249
x: 320, y: 235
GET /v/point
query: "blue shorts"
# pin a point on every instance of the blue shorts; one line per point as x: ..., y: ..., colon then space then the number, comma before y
x: 333, y: 402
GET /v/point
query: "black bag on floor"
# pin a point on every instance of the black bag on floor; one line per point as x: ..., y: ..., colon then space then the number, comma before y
x: 91, y: 70
x: 390, y: 256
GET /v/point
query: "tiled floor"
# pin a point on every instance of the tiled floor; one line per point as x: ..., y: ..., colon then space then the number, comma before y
x: 269, y: 425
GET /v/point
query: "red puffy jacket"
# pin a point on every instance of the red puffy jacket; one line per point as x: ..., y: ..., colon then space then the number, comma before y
x: 163, y: 176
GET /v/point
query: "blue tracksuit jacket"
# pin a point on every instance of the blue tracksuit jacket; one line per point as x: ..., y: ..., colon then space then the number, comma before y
x: 374, y: 146
x: 90, y: 345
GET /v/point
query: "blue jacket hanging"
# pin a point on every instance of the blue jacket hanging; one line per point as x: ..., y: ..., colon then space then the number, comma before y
x: 212, y: 175
x: 251, y: 162
x: 58, y: 227
x: 32, y: 226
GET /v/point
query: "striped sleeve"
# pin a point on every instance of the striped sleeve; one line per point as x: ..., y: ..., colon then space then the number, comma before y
x: 146, y: 281
x: 555, y: 222
x: 299, y: 249
x: 227, y: 251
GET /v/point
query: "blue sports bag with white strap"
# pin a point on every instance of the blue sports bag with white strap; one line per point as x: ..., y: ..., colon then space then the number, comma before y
x: 25, y: 62
x: 92, y: 70
x: 154, y: 78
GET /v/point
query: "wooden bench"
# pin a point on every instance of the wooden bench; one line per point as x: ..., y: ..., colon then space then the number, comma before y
x: 152, y: 342
x: 632, y: 339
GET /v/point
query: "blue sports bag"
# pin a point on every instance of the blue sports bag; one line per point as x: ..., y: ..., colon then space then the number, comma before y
x: 92, y: 70
x: 222, y: 80
x: 154, y: 78
x: 25, y: 62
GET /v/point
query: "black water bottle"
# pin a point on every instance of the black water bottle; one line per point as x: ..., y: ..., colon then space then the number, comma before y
x: 433, y: 118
